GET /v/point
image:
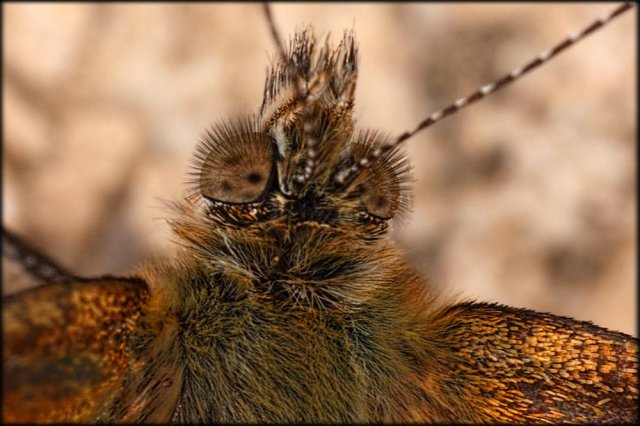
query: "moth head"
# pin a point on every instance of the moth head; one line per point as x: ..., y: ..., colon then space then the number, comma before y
x: 281, y: 166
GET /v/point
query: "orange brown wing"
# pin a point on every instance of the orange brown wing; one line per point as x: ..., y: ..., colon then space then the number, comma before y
x: 517, y: 365
x: 73, y: 349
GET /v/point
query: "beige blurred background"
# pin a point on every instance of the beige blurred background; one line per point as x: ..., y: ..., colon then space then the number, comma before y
x: 528, y: 198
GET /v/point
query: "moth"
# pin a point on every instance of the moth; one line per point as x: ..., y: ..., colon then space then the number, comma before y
x: 153, y: 363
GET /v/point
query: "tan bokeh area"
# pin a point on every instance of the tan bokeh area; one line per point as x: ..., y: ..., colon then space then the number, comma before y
x: 527, y: 198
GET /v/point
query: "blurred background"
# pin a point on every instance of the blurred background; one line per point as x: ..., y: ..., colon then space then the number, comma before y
x: 527, y: 198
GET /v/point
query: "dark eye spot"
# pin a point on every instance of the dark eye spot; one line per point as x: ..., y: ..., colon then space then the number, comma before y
x: 381, y: 202
x: 254, y: 178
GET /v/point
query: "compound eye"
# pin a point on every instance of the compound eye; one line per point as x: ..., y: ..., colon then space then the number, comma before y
x: 382, y: 183
x: 381, y: 202
x: 237, y: 169
x: 380, y: 190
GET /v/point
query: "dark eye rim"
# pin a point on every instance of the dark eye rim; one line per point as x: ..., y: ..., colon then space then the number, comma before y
x: 378, y: 216
x: 364, y: 215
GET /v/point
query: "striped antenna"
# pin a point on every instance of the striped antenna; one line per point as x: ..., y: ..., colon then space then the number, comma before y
x: 484, y: 91
x: 301, y: 95
x: 29, y: 260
